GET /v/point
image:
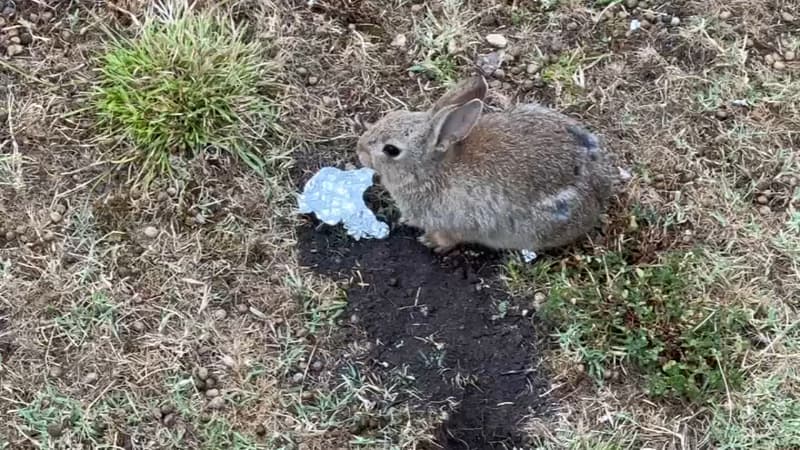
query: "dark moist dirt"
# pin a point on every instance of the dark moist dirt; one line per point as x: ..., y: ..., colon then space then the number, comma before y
x: 442, y: 319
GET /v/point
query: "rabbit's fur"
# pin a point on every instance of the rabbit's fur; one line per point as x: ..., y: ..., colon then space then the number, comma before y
x: 527, y: 178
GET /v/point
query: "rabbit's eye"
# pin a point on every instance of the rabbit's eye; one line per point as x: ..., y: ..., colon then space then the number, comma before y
x: 391, y: 151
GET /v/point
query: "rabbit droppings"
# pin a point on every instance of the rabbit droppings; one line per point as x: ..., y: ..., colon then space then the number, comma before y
x: 527, y: 178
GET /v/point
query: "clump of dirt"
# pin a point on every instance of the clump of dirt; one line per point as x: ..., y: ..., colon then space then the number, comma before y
x: 447, y: 322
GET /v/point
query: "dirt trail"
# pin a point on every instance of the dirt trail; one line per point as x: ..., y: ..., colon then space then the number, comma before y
x: 447, y: 322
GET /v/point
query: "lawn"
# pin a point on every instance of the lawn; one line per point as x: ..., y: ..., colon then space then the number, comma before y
x: 159, y: 291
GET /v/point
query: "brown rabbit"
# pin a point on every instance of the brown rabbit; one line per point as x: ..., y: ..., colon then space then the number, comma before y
x: 529, y: 178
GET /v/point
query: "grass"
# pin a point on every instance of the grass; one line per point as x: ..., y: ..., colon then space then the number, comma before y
x: 658, y: 318
x: 772, y: 424
x: 177, y: 93
x: 188, y: 83
x: 92, y: 315
x: 53, y: 416
x: 440, y: 36
x: 566, y: 74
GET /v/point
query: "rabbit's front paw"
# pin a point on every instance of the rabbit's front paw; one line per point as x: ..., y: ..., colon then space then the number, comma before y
x: 440, y: 241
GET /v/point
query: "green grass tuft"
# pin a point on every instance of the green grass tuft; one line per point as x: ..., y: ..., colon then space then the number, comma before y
x: 767, y: 417
x: 186, y: 84
x: 657, y: 318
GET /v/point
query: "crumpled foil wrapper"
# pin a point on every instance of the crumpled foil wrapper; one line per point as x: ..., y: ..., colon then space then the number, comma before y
x: 337, y: 196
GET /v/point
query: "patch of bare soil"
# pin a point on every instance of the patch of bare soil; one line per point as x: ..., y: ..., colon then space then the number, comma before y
x: 446, y: 323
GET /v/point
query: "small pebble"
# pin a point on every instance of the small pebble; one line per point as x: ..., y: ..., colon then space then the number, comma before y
x: 216, y: 403
x: 317, y: 366
x: 312, y: 80
x: 787, y: 17
x: 538, y: 300
x: 721, y: 114
x: 172, y: 191
x: 54, y: 429
x: 15, y: 40
x: 675, y: 21
x: 242, y: 308
x: 48, y: 236
x: 779, y: 65
x: 14, y: 50
x: 55, y: 217
x: 765, y: 210
x: 220, y: 314
x: 47, y: 15
x: 297, y: 378
x: 307, y: 396
x: 572, y: 26
x: 211, y: 393
x: 166, y: 409
x: 393, y: 282
x: 532, y: 68
x: 769, y: 59
x: 228, y: 361
x: 302, y: 71
x: 399, y: 41
x: 725, y: 15
x: 496, y: 40
x: 150, y: 231
x: 622, y: 14
x: 789, y: 55
x: 56, y: 372
x: 169, y: 420
x: 762, y: 199
x: 500, y: 74
x: 632, y: 3
x: 91, y: 378
x: 202, y: 373
x: 138, y: 326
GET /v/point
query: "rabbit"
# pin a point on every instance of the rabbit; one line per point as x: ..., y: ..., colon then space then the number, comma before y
x: 528, y: 178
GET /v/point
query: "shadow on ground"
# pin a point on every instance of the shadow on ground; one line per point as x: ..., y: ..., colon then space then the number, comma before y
x: 447, y: 322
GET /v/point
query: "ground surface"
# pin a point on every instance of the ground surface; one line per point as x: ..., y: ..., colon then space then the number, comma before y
x: 446, y: 327
x: 223, y: 329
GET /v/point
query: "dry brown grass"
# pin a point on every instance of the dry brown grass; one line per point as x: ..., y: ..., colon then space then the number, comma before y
x: 104, y: 324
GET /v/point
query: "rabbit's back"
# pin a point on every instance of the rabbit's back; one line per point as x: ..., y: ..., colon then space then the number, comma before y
x: 529, y: 177
x: 527, y: 152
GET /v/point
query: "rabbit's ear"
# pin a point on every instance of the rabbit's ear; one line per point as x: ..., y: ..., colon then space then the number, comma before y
x: 469, y: 89
x: 454, y: 123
